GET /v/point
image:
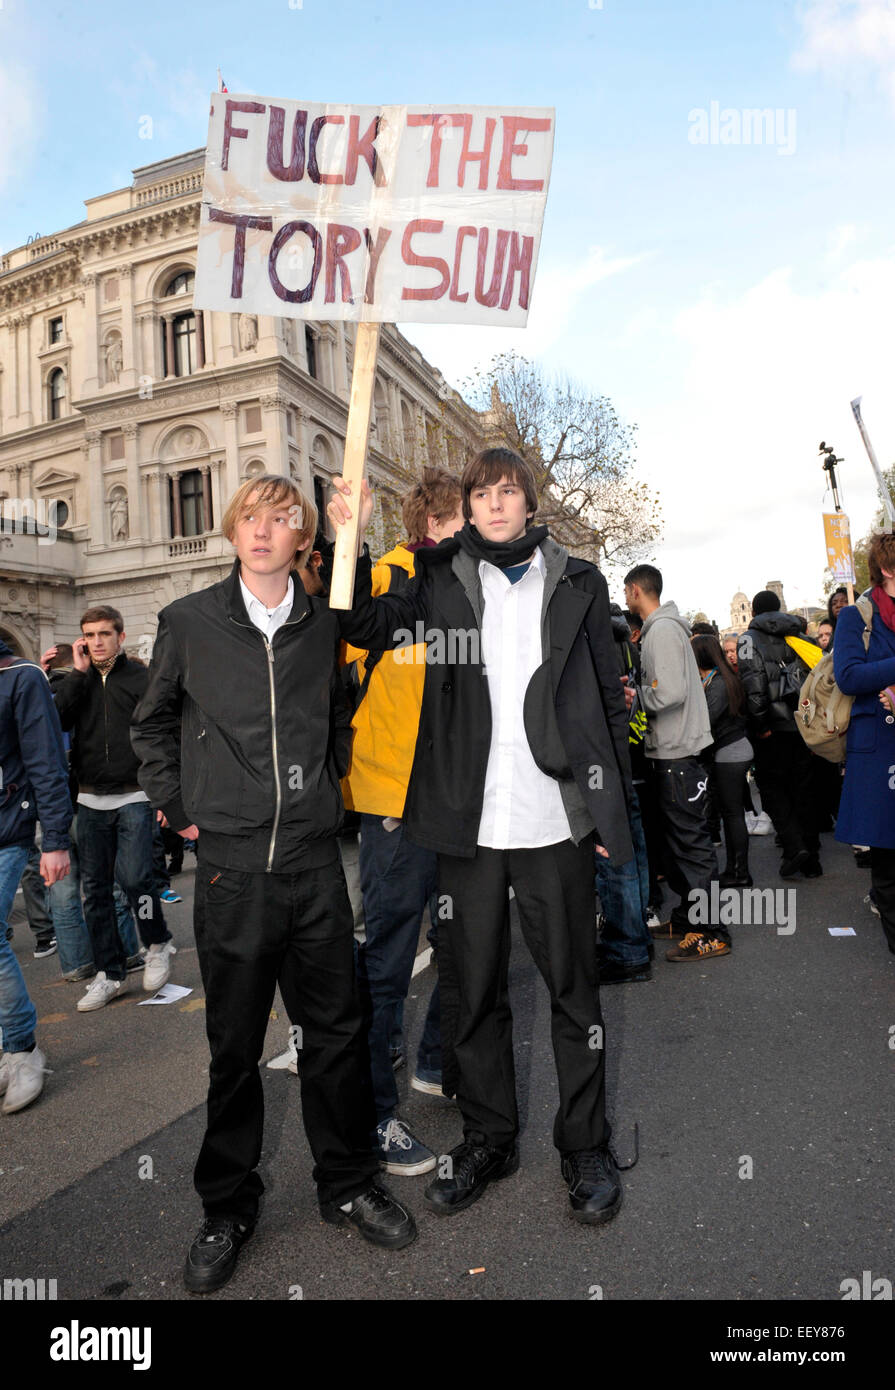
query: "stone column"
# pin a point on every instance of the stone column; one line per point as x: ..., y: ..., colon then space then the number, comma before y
x: 303, y: 427
x: 29, y: 367
x: 273, y: 417
x: 205, y: 470
x: 95, y: 489
x: 134, y: 501
x: 339, y: 349
x: 177, y: 510
x: 231, y: 445
x: 218, y: 502
x: 129, y: 368
x: 168, y: 320
x: 91, y: 382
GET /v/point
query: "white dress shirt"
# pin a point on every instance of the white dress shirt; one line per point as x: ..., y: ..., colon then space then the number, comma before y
x: 522, y: 807
x: 268, y: 620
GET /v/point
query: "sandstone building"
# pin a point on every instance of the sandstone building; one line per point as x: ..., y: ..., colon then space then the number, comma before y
x: 127, y: 417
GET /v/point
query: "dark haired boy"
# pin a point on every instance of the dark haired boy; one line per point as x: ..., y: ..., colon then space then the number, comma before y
x: 521, y: 755
x: 115, y: 821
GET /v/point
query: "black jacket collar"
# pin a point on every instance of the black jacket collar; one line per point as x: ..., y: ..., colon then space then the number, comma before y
x: 236, y: 609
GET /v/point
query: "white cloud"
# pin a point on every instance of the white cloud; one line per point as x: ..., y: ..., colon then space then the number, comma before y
x: 557, y: 295
x: 19, y: 121
x: 846, y: 38
x: 759, y: 380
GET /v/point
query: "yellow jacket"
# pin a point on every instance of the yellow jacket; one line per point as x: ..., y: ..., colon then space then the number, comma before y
x: 386, y: 723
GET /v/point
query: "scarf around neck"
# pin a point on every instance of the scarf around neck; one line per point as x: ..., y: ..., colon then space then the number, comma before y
x: 886, y: 605
x: 501, y: 553
x: 104, y: 667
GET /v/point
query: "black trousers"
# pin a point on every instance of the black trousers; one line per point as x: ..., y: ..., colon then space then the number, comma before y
x: 681, y: 785
x: 554, y: 891
x: 783, y: 770
x: 729, y: 780
x: 882, y: 878
x: 253, y: 932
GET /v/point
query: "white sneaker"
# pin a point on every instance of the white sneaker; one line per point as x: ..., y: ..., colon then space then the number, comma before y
x: 24, y: 1078
x: 157, y: 970
x: 100, y: 992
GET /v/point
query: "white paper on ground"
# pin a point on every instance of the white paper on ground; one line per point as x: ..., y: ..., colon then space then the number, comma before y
x: 168, y: 994
x: 842, y: 931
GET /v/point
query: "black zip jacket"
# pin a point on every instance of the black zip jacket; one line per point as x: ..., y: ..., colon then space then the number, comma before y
x: 243, y: 737
x: 576, y: 721
x: 99, y: 712
x: 727, y: 728
x: 32, y: 759
x: 760, y: 650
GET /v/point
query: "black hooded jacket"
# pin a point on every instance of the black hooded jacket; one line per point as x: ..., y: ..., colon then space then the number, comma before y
x: 761, y: 651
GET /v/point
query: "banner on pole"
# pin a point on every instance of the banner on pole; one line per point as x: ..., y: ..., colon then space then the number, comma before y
x: 837, y: 535
x: 395, y: 213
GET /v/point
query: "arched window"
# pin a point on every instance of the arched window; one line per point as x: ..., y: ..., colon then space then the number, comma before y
x: 182, y: 283
x: 55, y: 394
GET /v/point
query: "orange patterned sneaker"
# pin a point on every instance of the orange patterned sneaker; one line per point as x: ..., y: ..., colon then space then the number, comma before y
x: 697, y: 946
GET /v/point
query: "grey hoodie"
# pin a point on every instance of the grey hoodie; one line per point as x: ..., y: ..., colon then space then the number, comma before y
x: 671, y: 690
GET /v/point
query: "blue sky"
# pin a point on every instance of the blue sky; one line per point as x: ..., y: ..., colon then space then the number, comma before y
x: 729, y: 299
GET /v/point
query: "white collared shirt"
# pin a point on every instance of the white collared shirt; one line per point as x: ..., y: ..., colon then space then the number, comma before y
x: 268, y: 620
x: 522, y: 807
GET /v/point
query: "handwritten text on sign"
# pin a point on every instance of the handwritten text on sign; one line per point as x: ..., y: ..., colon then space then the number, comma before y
x: 373, y: 213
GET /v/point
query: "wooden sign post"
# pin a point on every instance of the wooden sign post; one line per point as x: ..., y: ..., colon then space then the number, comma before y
x: 371, y: 215
x: 341, y: 593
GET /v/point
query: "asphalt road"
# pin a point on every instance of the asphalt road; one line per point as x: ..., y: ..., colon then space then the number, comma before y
x: 778, y: 1060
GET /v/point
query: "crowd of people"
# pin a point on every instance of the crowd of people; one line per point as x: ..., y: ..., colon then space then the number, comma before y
x: 577, y: 756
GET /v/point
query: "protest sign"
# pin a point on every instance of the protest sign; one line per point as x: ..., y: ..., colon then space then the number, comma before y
x: 837, y: 537
x: 371, y: 214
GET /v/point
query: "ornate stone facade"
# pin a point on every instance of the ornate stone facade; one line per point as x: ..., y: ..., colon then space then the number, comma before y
x: 138, y: 416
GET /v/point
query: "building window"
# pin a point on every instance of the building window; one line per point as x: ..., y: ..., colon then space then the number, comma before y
x: 184, y: 344
x: 59, y: 514
x: 55, y: 331
x: 182, y: 283
x: 190, y: 501
x: 311, y: 351
x: 320, y: 490
x: 253, y: 419
x: 56, y: 393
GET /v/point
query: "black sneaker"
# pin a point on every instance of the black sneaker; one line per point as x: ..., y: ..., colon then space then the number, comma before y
x: 213, y: 1254
x: 45, y: 946
x: 595, y: 1190
x: 471, y: 1168
x: 376, y: 1216
x: 813, y: 868
x: 613, y: 972
x: 790, y: 867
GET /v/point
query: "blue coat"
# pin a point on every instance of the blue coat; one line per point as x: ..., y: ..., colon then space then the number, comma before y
x: 867, y: 809
x: 32, y: 760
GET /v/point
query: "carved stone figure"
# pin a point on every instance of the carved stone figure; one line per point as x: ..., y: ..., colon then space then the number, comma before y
x: 114, y: 359
x: 248, y: 332
x: 119, y: 517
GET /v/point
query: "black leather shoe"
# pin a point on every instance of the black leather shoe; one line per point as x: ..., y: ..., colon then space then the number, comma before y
x: 790, y: 867
x: 213, y: 1254
x: 473, y: 1166
x: 614, y: 973
x: 595, y: 1190
x: 813, y: 868
x: 376, y: 1216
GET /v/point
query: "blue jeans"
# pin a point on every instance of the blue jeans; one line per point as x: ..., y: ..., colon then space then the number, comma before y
x: 72, y: 936
x: 17, y: 1013
x: 118, y: 845
x: 397, y: 880
x: 624, y: 897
